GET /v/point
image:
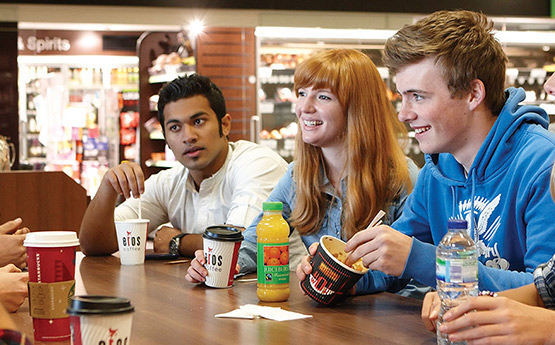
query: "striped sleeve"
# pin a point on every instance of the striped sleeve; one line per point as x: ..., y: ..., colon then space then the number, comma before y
x: 544, y: 278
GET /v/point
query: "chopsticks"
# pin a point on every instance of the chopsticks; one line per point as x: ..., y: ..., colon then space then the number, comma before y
x: 377, y: 220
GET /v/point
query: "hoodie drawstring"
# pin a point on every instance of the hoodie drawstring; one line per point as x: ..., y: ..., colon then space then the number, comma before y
x: 473, y: 227
x: 454, y: 196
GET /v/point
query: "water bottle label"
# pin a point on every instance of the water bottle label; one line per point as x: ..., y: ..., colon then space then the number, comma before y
x: 273, y: 263
x: 456, y: 271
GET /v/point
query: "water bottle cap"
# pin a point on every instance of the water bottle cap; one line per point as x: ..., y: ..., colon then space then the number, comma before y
x: 457, y: 224
x: 272, y: 206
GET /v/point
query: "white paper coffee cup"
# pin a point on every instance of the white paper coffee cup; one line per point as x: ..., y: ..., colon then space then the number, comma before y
x: 100, y: 320
x: 132, y: 236
x: 221, y: 249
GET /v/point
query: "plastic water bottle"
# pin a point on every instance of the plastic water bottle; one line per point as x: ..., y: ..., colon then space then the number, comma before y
x: 456, y: 270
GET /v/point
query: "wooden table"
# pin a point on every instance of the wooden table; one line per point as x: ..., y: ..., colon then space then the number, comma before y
x: 169, y: 310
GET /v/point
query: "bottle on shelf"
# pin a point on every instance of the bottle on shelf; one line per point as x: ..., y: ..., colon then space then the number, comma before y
x: 456, y: 270
x: 273, y: 254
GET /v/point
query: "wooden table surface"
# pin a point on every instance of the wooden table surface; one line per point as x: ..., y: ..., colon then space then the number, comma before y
x: 169, y: 310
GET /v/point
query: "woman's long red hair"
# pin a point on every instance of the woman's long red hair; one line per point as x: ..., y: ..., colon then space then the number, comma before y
x: 376, y: 168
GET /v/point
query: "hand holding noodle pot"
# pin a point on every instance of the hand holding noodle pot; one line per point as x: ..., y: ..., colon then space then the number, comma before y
x: 331, y: 279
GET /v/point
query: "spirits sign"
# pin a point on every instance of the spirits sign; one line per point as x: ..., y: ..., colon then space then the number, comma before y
x: 75, y: 42
x: 37, y: 45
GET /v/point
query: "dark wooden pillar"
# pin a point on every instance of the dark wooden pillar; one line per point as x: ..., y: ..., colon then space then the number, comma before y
x: 227, y: 57
x: 9, y: 115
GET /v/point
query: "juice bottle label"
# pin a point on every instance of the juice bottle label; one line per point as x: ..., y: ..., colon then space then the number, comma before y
x: 273, y: 263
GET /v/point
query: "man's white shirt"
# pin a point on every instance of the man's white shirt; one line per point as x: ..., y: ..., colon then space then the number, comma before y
x: 233, y: 195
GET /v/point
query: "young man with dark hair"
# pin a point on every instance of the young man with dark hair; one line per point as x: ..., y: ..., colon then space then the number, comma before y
x: 217, y: 181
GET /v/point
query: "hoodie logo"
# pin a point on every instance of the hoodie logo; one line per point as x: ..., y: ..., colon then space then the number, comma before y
x: 486, y: 228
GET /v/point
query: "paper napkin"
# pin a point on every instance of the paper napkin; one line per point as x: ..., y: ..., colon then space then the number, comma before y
x: 251, y: 311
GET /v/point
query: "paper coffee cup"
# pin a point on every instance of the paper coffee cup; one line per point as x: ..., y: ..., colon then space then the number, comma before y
x: 221, y: 249
x: 100, y: 320
x: 132, y: 236
x: 51, y: 263
x: 330, y: 279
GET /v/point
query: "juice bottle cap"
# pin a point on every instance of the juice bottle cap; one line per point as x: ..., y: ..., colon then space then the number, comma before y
x: 272, y: 206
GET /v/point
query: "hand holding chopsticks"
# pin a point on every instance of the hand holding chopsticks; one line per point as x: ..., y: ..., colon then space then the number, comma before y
x: 375, y: 222
x: 381, y: 248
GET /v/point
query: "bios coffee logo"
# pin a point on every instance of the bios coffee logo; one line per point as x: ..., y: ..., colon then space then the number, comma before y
x: 114, y: 340
x: 213, y: 262
x: 131, y: 242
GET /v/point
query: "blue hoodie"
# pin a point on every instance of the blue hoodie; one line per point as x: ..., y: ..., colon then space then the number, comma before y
x: 505, y: 198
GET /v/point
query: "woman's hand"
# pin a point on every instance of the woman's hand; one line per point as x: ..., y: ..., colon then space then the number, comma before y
x: 305, y: 267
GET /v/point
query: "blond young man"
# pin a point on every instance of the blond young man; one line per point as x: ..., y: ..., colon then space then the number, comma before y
x: 488, y: 158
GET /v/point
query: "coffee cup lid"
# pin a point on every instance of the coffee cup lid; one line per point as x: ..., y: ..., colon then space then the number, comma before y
x: 136, y: 221
x: 223, y: 233
x: 51, y: 239
x: 95, y: 304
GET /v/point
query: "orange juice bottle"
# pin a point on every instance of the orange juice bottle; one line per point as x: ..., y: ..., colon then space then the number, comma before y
x: 272, y: 254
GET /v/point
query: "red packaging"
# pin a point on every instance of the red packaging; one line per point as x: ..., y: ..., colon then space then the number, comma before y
x: 128, y: 136
x: 129, y: 119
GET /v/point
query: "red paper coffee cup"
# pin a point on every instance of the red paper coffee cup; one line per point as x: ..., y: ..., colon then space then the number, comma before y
x: 51, y: 263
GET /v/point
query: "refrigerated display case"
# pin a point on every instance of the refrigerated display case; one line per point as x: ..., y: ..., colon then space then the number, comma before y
x: 277, y: 103
x: 70, y: 111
